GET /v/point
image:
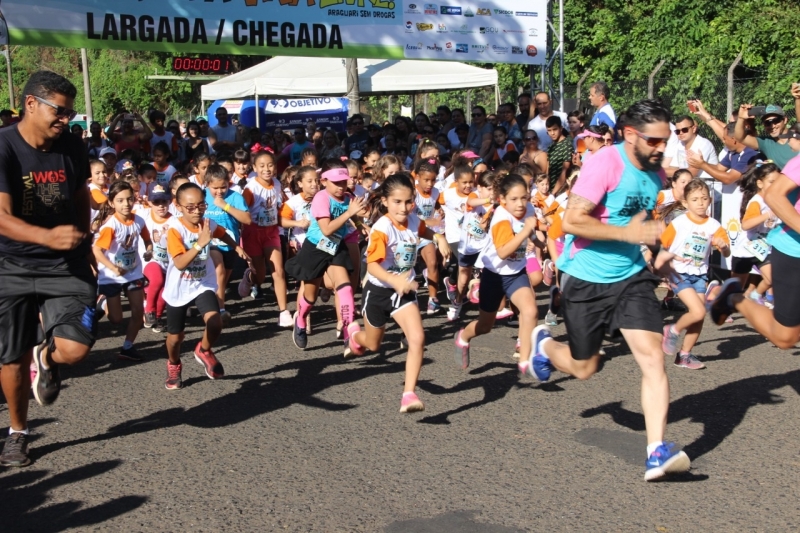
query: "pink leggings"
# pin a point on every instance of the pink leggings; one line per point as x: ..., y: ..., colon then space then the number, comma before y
x: 155, y: 275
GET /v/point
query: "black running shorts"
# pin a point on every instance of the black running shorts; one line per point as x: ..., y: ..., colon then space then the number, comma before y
x: 592, y: 310
x: 64, y: 295
x: 786, y: 288
x: 206, y: 302
x: 380, y: 303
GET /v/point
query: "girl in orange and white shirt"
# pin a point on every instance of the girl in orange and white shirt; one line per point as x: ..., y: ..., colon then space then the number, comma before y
x: 98, y: 188
x: 119, y: 268
x: 689, y: 238
x: 390, y: 291
x: 192, y: 279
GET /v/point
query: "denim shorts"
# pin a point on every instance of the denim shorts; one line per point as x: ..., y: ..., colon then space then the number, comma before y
x: 690, y: 281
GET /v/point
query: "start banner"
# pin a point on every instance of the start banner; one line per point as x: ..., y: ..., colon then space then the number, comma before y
x: 499, y: 31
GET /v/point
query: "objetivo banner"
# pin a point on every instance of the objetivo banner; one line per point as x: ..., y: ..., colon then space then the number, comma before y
x: 500, y: 31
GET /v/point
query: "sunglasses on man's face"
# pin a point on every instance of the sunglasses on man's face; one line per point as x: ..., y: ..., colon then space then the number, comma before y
x: 652, y: 142
x: 477, y: 114
x: 531, y: 139
x: 680, y: 131
x: 61, y: 111
x: 358, y: 123
x: 772, y: 122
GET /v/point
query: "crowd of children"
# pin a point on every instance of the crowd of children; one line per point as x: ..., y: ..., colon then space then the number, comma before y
x: 169, y: 242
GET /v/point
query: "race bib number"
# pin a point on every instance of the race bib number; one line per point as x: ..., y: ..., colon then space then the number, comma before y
x: 329, y: 244
x: 475, y: 230
x: 160, y: 254
x: 405, y: 256
x: 758, y: 248
x: 695, y: 249
x: 425, y: 212
x: 267, y: 217
x: 126, y: 258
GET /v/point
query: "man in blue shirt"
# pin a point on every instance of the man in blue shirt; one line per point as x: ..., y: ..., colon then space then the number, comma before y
x: 599, y: 94
x: 294, y: 151
x: 606, y: 285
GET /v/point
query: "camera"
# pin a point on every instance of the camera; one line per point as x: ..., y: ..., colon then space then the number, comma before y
x: 757, y: 111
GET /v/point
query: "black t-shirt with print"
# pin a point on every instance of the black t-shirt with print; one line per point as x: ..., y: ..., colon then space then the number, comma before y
x: 42, y: 186
x: 357, y: 141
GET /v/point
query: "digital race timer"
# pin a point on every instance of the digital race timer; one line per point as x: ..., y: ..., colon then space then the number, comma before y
x: 207, y: 65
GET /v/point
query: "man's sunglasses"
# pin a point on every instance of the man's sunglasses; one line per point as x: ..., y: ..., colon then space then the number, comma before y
x: 772, y: 121
x: 358, y: 123
x: 651, y: 141
x: 679, y: 131
x: 61, y: 111
x: 477, y: 114
x: 531, y: 139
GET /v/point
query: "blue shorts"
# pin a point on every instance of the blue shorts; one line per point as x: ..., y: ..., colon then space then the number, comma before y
x: 468, y: 260
x: 423, y: 243
x: 690, y: 281
x: 494, y: 286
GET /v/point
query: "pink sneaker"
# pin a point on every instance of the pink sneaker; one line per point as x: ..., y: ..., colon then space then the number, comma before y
x: 353, y: 349
x: 411, y: 403
x: 246, y: 285
x: 504, y: 313
x: 474, y: 290
x: 548, y: 272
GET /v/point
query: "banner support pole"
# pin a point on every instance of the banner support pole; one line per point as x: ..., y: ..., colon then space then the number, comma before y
x: 258, y: 111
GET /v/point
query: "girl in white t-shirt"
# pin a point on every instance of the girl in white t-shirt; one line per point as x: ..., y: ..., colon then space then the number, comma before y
x: 192, y: 280
x: 119, y: 268
x: 425, y: 207
x: 390, y: 291
x: 757, y: 220
x: 690, y: 238
x: 454, y: 204
x: 504, y: 271
x: 156, y: 219
x: 98, y: 188
x: 200, y: 164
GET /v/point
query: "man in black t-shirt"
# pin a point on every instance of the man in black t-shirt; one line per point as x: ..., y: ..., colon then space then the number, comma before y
x: 47, y: 286
x: 359, y: 138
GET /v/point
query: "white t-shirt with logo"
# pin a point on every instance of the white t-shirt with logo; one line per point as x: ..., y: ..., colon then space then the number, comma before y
x: 538, y: 124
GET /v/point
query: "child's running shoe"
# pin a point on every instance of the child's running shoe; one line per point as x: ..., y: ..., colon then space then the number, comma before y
x: 149, y: 320
x: 325, y: 294
x: 174, y: 381
x: 688, y: 361
x: 474, y: 291
x: 719, y: 308
x: 548, y: 272
x: 209, y: 361
x: 540, y: 363
x: 504, y: 313
x: 669, y: 340
x: 710, y: 287
x: 462, y: 351
x: 433, y: 306
x: 453, y: 312
x: 225, y: 317
x: 299, y: 335
x: 410, y: 403
x: 452, y: 290
x: 285, y: 319
x: 525, y: 369
x: 351, y: 347
x: 161, y: 325
x: 664, y: 461
x: 550, y: 319
x: 246, y: 285
x: 516, y: 351
x: 129, y: 354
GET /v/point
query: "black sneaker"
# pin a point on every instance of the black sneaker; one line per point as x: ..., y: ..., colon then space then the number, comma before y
x: 149, y: 320
x: 15, y: 451
x: 47, y: 383
x: 99, y: 312
x: 160, y: 325
x: 299, y: 335
x: 129, y: 354
x: 718, y: 308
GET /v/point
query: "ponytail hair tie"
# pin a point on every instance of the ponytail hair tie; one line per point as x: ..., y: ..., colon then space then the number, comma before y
x: 343, y: 158
x: 432, y: 161
x: 319, y: 171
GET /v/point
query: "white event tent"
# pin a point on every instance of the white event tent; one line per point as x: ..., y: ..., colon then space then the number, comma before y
x: 310, y: 76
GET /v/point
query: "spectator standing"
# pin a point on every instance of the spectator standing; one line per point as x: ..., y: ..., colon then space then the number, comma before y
x: 479, y: 138
x: 224, y: 136
x: 544, y: 107
x: 599, y: 94
x: 509, y: 122
x: 359, y: 137
x: 771, y: 145
x: 456, y: 118
x: 294, y: 151
x: 675, y: 156
x: 526, y: 114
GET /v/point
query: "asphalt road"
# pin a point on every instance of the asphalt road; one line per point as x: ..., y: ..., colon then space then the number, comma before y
x: 304, y: 441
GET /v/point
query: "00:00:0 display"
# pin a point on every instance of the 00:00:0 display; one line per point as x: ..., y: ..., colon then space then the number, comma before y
x: 197, y: 64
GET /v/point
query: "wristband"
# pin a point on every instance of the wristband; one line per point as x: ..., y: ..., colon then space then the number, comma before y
x: 227, y: 207
x: 197, y: 247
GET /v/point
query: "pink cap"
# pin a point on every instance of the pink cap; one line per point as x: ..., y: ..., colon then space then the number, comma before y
x: 470, y: 155
x: 336, y: 174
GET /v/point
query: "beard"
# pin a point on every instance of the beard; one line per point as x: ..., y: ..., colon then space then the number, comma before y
x: 648, y: 162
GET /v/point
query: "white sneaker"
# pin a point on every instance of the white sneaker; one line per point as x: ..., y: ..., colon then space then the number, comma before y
x: 453, y: 312
x: 285, y: 319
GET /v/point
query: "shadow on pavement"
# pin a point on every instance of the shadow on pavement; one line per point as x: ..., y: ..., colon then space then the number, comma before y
x: 257, y: 395
x: 720, y: 410
x: 24, y: 497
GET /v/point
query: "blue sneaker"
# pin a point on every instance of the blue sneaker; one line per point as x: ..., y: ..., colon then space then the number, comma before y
x: 452, y: 290
x: 299, y: 335
x: 718, y: 307
x: 669, y: 340
x: 541, y: 365
x: 433, y: 306
x: 664, y: 461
